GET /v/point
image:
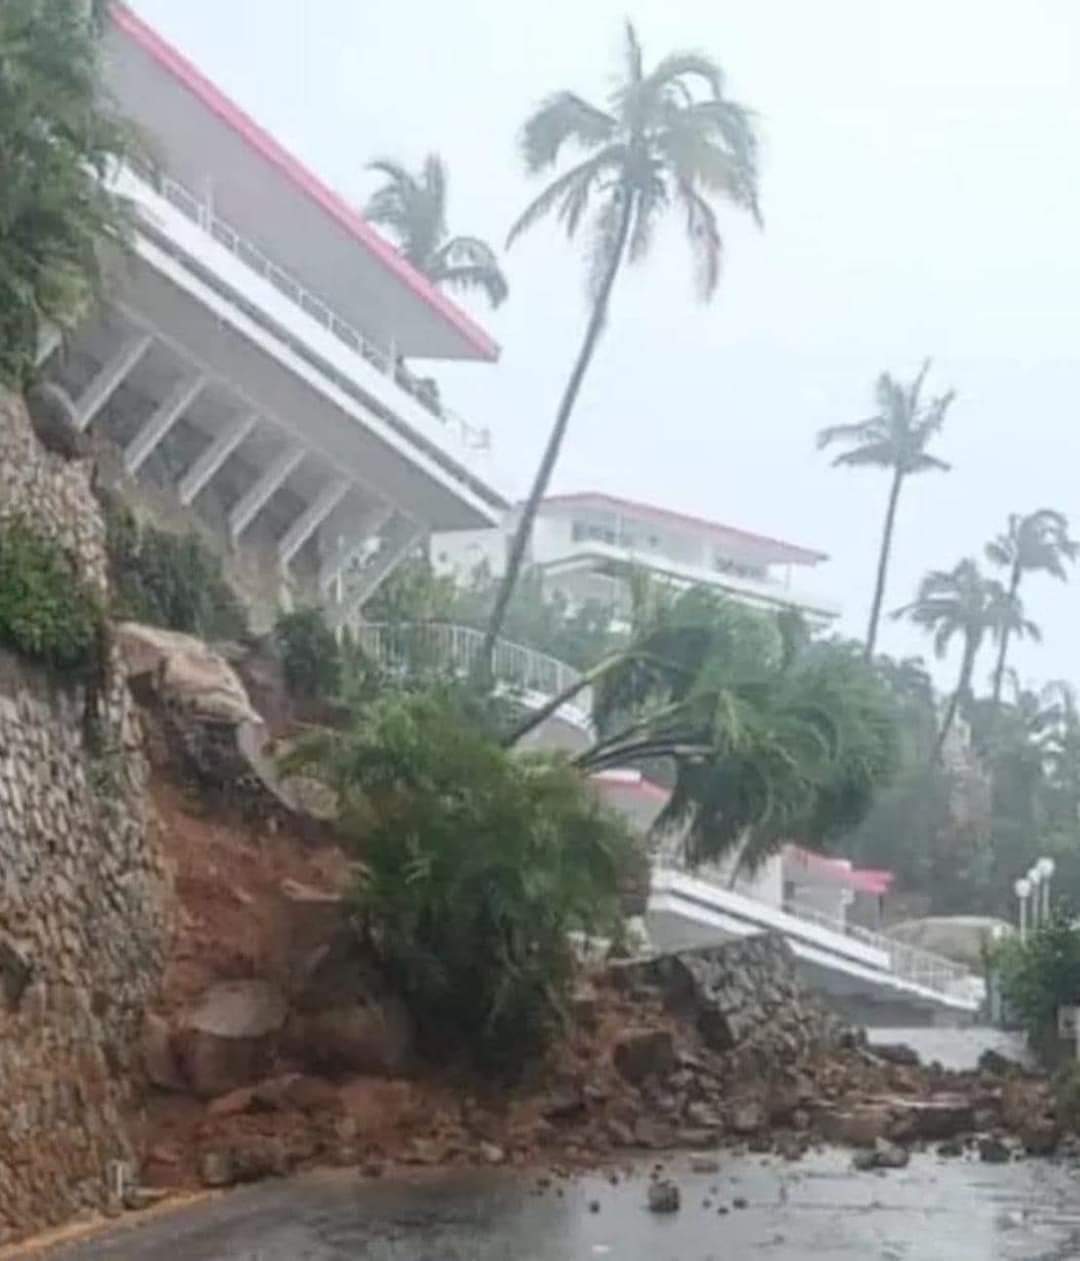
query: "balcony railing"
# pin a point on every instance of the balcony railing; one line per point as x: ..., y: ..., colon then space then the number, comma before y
x: 920, y: 967
x: 419, y: 646
x: 423, y: 390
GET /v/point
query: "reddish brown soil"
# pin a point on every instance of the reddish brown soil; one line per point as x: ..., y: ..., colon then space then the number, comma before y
x: 227, y: 875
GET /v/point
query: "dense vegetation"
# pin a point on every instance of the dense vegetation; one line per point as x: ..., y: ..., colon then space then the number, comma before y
x: 170, y: 580
x: 475, y: 866
x: 57, y: 142
x: 47, y: 613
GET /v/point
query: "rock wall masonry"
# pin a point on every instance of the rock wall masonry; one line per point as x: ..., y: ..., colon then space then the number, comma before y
x: 83, y: 892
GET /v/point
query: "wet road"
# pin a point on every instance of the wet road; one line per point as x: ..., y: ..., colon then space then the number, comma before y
x: 935, y: 1210
x: 932, y: 1211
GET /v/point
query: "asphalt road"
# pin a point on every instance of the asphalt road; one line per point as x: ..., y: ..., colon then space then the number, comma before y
x: 935, y: 1210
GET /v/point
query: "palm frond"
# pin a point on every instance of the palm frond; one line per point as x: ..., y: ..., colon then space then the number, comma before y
x: 561, y: 119
x: 706, y: 244
x: 689, y: 64
x: 466, y: 276
x: 860, y: 431
x: 568, y: 194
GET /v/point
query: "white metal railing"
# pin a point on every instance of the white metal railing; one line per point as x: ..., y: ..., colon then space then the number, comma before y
x: 909, y: 963
x: 423, y: 390
x: 416, y: 646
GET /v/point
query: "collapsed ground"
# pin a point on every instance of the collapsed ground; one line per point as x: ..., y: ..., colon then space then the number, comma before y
x: 269, y: 1050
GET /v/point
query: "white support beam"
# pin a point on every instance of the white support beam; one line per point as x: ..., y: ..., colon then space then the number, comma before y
x: 250, y: 505
x: 404, y: 534
x: 175, y: 404
x: 105, y: 384
x: 210, y: 461
x: 312, y: 517
x: 349, y: 548
x: 50, y: 340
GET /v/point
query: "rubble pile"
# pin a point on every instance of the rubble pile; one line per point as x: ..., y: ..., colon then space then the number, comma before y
x: 707, y: 1050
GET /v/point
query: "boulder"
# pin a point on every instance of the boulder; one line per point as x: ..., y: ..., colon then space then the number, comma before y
x: 643, y: 1053
x: 229, y: 1040
x: 929, y: 1120
x: 185, y: 673
x: 890, y: 1155
x: 994, y: 1151
x: 158, y: 1057
x: 373, y: 1037
x: 308, y: 921
x: 1040, y: 1136
x: 664, y: 1197
x: 856, y: 1127
x: 895, y: 1053
x: 746, y: 1118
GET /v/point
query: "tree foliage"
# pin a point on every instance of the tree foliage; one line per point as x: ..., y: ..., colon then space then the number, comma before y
x: 58, y: 143
x: 412, y: 207
x: 769, y: 736
x: 895, y: 437
x: 47, y: 614
x: 475, y: 866
x: 670, y: 136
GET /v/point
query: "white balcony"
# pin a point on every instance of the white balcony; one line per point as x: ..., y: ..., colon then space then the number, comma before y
x: 333, y: 354
x: 594, y: 554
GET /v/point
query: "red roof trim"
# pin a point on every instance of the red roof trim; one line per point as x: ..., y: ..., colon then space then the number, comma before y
x: 260, y: 140
x: 797, y: 555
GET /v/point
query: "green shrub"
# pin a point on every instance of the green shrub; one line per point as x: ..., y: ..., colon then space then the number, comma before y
x: 1041, y: 974
x: 310, y: 656
x: 47, y: 613
x: 170, y: 580
x: 476, y: 866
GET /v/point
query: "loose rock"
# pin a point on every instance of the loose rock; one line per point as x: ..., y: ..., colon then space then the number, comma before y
x: 664, y: 1197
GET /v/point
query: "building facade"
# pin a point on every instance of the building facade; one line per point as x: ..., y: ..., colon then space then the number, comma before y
x: 261, y: 369
x: 588, y: 545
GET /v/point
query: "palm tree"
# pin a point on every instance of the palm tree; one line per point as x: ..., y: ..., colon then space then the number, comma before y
x: 58, y: 144
x: 1037, y: 542
x: 896, y: 438
x: 963, y: 602
x: 668, y: 137
x: 413, y: 209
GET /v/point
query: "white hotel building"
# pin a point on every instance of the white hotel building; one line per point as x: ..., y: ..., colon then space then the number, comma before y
x: 587, y: 546
x: 261, y: 370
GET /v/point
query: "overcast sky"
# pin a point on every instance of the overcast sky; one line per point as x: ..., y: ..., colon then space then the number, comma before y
x: 921, y: 192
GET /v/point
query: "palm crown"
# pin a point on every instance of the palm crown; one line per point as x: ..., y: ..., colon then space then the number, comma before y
x: 898, y: 433
x: 1038, y: 541
x: 962, y: 601
x: 413, y: 210
x: 668, y: 136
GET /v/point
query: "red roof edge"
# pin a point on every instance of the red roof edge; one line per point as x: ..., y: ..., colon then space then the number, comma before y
x: 170, y: 59
x: 797, y: 555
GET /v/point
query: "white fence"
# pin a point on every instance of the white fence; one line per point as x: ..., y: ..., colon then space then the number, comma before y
x: 424, y: 391
x: 909, y: 963
x: 418, y: 646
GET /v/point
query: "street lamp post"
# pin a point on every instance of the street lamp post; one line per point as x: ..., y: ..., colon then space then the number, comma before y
x: 1022, y: 888
x: 1046, y: 871
x: 1034, y: 879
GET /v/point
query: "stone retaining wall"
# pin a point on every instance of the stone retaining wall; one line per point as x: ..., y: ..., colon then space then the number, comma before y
x: 83, y: 893
x: 745, y: 998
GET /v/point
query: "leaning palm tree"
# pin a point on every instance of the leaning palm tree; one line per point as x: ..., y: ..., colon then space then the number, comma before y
x: 896, y: 438
x: 1037, y: 542
x: 413, y: 210
x: 669, y: 137
x: 963, y: 602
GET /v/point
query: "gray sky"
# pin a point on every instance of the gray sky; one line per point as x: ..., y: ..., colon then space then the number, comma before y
x: 922, y: 197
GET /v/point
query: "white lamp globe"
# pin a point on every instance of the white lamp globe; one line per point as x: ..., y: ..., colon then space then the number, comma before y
x: 1046, y: 867
x: 1022, y: 888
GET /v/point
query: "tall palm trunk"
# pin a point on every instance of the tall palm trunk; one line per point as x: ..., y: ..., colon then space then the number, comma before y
x: 543, y: 474
x: 1003, y: 649
x: 963, y: 686
x: 883, y: 563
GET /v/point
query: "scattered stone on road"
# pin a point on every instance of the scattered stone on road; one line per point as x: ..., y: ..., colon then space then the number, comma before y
x: 992, y: 1151
x: 664, y: 1197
